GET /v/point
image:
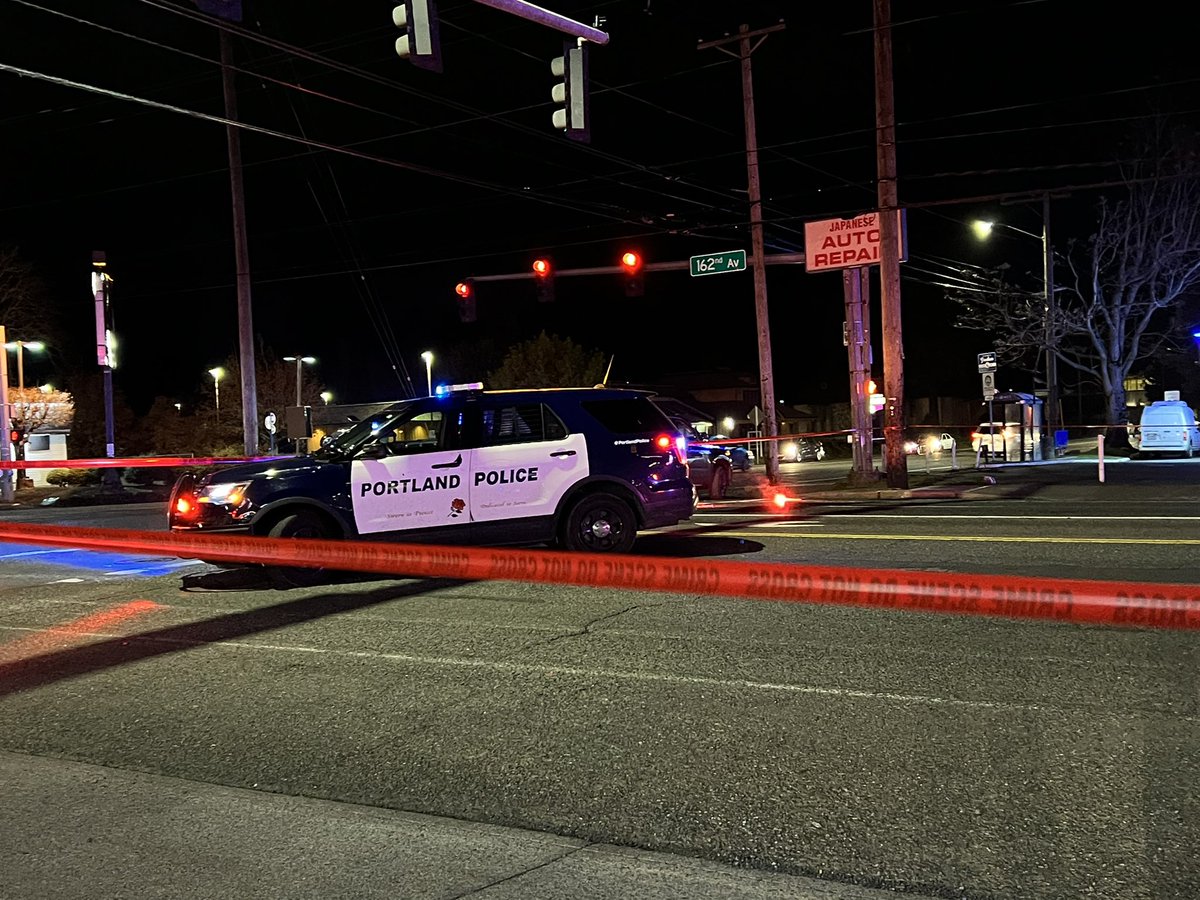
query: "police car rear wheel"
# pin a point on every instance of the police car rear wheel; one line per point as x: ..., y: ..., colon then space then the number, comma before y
x: 600, y: 523
x: 297, y: 525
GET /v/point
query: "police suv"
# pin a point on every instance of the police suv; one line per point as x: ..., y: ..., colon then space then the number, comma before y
x: 583, y: 468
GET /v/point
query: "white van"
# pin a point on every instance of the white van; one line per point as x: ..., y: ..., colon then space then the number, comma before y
x: 1169, y: 426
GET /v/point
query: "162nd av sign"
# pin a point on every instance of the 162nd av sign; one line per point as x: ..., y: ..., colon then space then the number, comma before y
x: 715, y: 263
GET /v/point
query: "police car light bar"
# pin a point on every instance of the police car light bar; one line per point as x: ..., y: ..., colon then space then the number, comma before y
x: 443, y: 389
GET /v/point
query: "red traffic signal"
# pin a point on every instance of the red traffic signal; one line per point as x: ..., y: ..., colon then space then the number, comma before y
x: 543, y: 277
x: 466, y: 300
x: 631, y: 263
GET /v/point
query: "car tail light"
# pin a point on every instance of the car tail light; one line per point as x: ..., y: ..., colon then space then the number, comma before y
x: 674, y: 444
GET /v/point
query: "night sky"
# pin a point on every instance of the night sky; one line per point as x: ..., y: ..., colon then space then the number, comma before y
x: 421, y: 179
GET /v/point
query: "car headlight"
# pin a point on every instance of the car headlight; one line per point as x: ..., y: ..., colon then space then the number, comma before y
x: 228, y: 493
x: 910, y: 447
x: 788, y: 449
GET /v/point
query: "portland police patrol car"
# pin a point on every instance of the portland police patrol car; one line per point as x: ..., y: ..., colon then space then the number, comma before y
x: 583, y: 468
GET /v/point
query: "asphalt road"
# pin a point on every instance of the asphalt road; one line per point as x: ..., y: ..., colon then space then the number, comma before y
x: 954, y: 757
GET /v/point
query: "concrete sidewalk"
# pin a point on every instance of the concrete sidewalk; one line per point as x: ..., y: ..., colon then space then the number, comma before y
x: 74, y: 830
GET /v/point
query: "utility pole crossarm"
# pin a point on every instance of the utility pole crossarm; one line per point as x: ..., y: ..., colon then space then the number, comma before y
x: 734, y: 38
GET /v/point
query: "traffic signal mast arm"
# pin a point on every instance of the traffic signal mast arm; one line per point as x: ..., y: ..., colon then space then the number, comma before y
x: 671, y: 266
x: 553, y: 20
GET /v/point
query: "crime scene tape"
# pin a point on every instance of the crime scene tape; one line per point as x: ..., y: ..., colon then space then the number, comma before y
x: 133, y: 462
x: 1130, y: 604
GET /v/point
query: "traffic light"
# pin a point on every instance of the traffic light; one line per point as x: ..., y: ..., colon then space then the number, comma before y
x: 631, y: 265
x: 571, y: 93
x: 466, y: 300
x: 420, y: 43
x: 543, y: 278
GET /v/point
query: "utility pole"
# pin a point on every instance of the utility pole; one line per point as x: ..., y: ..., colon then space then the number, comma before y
x: 895, y: 459
x: 856, y: 290
x: 6, y: 476
x: 241, y: 255
x: 1050, y: 417
x: 758, y: 265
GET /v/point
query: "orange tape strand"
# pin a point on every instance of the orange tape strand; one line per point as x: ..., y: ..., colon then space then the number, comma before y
x: 1165, y: 606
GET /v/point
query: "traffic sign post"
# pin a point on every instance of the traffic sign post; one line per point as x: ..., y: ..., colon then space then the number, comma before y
x: 716, y: 263
x: 987, y: 362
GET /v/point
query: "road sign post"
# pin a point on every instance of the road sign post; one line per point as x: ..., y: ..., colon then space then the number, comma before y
x: 716, y: 263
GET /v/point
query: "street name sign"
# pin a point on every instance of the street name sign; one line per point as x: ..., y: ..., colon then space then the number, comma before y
x: 716, y: 263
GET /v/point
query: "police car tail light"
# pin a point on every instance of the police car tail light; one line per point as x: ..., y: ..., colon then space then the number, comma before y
x: 185, y: 506
x: 681, y: 447
x: 670, y: 444
x: 226, y: 494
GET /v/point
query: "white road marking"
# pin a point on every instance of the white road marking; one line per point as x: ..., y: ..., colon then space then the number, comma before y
x: 551, y: 671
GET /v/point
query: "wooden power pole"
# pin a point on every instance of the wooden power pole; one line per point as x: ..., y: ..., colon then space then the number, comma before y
x: 758, y: 264
x: 895, y: 459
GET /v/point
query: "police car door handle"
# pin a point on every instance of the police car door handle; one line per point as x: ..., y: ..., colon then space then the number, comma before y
x: 449, y: 465
x: 563, y: 453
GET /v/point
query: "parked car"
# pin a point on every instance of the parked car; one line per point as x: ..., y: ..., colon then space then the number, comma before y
x: 999, y: 439
x: 1169, y: 426
x: 741, y: 455
x: 710, y: 469
x: 802, y: 450
x: 930, y: 444
x: 585, y: 469
x: 711, y: 465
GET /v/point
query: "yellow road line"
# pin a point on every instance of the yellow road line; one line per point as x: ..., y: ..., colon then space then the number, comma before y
x: 825, y: 535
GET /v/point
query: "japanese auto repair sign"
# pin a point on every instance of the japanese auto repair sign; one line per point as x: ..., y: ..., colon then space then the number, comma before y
x: 845, y: 243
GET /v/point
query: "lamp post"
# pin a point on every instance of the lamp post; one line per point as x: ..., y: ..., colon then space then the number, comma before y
x: 217, y: 374
x: 21, y: 347
x: 105, y: 352
x: 1050, y: 421
x: 428, y: 357
x: 299, y: 361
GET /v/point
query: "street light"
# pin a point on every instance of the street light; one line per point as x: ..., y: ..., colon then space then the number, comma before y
x: 21, y: 347
x: 299, y: 361
x: 1050, y: 416
x: 428, y: 357
x: 218, y: 373
x: 326, y: 396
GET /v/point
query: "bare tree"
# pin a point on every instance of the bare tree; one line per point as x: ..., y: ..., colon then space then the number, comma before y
x: 24, y: 309
x: 1116, y: 306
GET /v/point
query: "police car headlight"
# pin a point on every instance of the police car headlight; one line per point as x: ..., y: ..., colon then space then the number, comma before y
x: 224, y: 493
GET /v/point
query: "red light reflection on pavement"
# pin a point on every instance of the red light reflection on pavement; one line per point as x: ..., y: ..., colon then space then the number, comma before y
x: 58, y: 637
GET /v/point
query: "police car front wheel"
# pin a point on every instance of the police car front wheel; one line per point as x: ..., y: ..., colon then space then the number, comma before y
x: 301, y: 524
x: 601, y: 523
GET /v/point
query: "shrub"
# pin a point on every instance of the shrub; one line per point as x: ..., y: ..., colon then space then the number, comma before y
x: 72, y: 477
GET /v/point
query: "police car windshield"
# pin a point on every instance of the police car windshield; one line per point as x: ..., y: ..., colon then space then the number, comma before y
x: 362, y: 433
